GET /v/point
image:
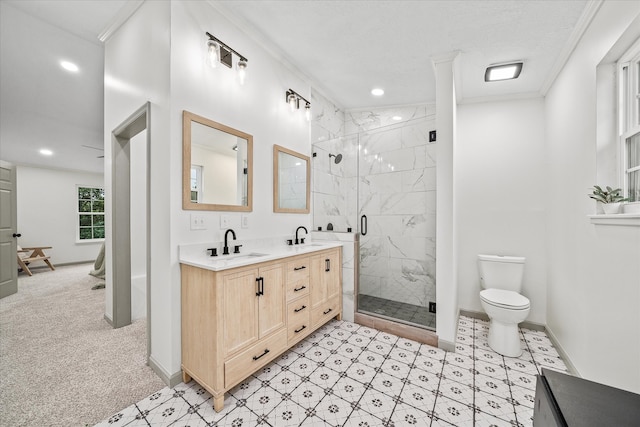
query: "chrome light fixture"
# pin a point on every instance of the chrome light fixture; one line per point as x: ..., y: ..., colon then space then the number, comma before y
x: 503, y: 72
x: 220, y: 53
x: 293, y: 99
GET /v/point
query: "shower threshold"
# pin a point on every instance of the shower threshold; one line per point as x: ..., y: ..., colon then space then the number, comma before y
x: 408, y: 314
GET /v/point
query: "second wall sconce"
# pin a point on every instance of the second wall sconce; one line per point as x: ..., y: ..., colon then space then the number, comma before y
x: 293, y: 99
x: 220, y: 53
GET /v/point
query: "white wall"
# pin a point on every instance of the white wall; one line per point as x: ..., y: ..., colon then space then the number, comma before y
x: 165, y: 39
x: 500, y: 195
x: 137, y: 71
x: 593, y: 271
x: 48, y: 212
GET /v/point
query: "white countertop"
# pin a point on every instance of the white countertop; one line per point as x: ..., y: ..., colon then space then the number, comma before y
x: 200, y: 258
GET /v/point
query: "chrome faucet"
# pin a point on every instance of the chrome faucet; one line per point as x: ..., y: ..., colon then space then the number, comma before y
x: 305, y: 232
x: 225, y: 250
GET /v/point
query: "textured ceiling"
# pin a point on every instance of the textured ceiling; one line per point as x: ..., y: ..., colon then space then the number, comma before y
x: 348, y: 47
x: 344, y: 47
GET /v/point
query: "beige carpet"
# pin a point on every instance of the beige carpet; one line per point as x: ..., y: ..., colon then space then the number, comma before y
x: 61, y: 364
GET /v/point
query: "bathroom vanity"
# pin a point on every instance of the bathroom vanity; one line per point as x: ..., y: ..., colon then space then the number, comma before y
x: 565, y: 400
x: 241, y: 312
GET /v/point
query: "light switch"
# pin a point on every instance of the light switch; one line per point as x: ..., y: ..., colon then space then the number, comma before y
x: 225, y: 222
x: 197, y: 222
x: 245, y: 221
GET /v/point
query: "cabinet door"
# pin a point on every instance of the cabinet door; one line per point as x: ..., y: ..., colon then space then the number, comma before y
x: 240, y: 308
x: 316, y: 280
x: 272, y: 301
x: 332, y: 279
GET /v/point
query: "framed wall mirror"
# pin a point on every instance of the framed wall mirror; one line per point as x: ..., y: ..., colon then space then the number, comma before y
x: 291, y: 177
x: 217, y: 166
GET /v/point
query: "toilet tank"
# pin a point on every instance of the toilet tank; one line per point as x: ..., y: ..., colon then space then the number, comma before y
x: 501, y: 272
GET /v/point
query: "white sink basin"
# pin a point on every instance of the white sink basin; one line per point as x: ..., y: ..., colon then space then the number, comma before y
x: 237, y: 258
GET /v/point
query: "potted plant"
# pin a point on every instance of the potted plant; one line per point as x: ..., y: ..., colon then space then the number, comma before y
x: 610, y: 198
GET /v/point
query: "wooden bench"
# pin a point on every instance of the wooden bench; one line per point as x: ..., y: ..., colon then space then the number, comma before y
x: 35, y: 254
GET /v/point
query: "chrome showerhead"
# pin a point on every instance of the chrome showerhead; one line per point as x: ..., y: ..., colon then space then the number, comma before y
x: 338, y: 158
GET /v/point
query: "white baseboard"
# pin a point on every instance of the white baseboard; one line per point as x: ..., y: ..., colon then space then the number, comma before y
x: 565, y: 357
x: 446, y: 345
x: 483, y: 316
x: 108, y: 319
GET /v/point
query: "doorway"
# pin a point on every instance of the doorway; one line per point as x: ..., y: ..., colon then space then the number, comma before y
x: 125, y: 176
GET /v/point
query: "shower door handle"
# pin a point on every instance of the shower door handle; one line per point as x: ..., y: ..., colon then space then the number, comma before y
x: 363, y: 225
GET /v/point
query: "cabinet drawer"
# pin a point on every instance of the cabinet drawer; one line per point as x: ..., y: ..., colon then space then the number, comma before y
x: 298, y: 319
x: 297, y: 278
x: 325, y: 311
x: 253, y: 358
x: 298, y: 270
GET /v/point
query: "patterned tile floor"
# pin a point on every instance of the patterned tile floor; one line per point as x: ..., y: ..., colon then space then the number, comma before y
x: 350, y: 375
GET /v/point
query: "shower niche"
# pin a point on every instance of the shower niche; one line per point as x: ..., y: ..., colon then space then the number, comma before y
x: 380, y: 182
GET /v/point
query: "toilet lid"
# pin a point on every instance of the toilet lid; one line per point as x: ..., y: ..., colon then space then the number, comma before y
x: 505, y: 299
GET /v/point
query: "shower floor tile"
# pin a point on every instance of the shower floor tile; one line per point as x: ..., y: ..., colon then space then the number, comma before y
x: 409, y: 313
x: 382, y: 380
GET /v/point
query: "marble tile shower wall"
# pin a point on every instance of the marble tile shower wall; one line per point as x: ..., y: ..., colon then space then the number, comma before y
x: 397, y: 193
x: 331, y: 190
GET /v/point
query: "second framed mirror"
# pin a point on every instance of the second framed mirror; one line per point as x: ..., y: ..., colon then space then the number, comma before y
x: 291, y: 178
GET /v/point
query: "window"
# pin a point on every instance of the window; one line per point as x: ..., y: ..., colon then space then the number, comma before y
x: 196, y: 183
x: 90, y: 213
x: 629, y: 121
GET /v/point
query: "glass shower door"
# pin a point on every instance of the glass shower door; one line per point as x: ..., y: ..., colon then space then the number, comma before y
x: 396, y: 220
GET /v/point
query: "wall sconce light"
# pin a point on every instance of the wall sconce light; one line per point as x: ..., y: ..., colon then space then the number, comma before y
x: 220, y: 53
x: 293, y: 99
x: 502, y: 72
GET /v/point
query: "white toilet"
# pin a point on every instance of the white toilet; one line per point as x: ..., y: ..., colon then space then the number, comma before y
x: 501, y: 281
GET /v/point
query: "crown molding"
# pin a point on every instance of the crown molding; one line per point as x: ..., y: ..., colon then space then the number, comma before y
x: 583, y: 23
x: 121, y: 17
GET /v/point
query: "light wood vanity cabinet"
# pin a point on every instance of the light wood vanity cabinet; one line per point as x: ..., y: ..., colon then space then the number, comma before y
x: 236, y: 321
x: 326, y: 286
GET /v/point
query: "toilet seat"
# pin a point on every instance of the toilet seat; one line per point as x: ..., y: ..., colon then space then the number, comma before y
x: 505, y: 299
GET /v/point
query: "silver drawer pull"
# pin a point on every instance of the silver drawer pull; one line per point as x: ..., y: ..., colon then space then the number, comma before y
x: 328, y: 311
x: 266, y: 350
x: 297, y: 310
x: 301, y: 329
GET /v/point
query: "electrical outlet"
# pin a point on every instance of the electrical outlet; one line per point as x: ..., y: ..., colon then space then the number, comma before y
x: 197, y: 222
x: 244, y: 221
x: 432, y: 307
x: 225, y: 222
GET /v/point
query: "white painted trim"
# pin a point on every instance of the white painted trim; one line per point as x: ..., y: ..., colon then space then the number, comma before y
x: 444, y: 57
x: 630, y: 220
x: 108, y: 320
x: 583, y: 23
x: 563, y: 354
x: 500, y: 98
x: 121, y: 17
x: 446, y: 345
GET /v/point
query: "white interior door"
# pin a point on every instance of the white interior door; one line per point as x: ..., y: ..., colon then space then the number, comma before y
x: 8, y: 230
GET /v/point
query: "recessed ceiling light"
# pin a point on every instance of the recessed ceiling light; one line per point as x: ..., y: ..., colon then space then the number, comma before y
x: 46, y: 152
x: 396, y: 118
x: 503, y: 72
x: 69, y: 66
x: 377, y: 91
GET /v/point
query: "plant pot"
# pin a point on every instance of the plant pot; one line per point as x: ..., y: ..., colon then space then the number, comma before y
x: 611, y: 208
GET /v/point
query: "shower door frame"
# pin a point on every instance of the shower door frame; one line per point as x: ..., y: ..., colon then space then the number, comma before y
x: 381, y: 322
